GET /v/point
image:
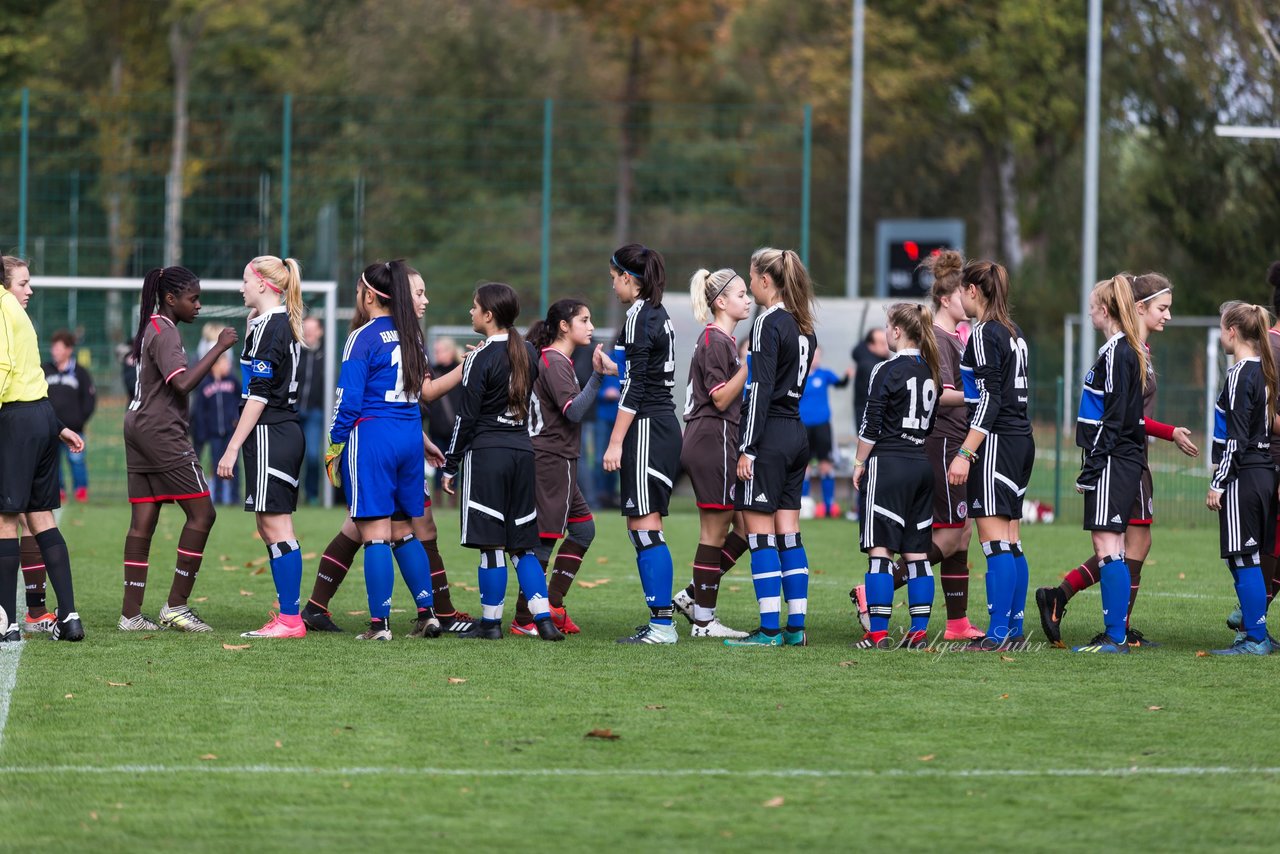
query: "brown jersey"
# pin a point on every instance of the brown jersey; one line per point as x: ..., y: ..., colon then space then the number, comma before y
x: 554, y: 389
x: 1274, y: 337
x: 952, y: 422
x: 155, y: 427
x: 715, y: 361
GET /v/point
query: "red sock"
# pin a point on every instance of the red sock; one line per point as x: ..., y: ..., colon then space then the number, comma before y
x: 1082, y: 577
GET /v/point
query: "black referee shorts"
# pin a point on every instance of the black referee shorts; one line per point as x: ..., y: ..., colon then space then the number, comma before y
x: 28, y: 457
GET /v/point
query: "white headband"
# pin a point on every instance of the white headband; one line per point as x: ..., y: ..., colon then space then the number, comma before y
x: 1156, y: 294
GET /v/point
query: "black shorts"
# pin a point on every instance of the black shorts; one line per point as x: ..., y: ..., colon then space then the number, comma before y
x: 782, y: 458
x: 897, y: 512
x: 1108, y: 503
x: 998, y: 480
x: 28, y: 457
x: 1245, y: 520
x: 184, y: 483
x: 950, y: 503
x: 709, y: 455
x: 556, y: 494
x: 498, y: 506
x: 273, y: 455
x: 820, y: 444
x: 1143, y: 511
x: 650, y: 465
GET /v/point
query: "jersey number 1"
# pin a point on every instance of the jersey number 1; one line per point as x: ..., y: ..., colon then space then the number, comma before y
x: 397, y: 394
x: 918, y: 418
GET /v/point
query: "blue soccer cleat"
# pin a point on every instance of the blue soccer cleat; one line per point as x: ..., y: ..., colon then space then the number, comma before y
x: 1104, y: 645
x: 1244, y: 646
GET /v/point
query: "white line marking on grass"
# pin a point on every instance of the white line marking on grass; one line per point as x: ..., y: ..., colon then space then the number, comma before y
x: 624, y: 773
x: 9, y: 655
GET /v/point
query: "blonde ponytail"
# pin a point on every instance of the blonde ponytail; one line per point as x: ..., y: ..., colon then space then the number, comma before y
x: 293, y: 298
x: 705, y: 288
x: 1116, y: 296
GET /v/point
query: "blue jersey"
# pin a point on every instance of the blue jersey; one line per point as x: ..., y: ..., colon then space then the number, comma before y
x: 372, y: 381
x: 815, y: 404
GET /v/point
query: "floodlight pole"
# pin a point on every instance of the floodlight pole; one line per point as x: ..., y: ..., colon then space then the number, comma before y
x: 1089, y: 253
x: 853, y: 233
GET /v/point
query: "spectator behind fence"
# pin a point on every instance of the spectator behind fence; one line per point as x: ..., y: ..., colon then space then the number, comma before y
x: 606, y: 483
x: 441, y: 411
x: 311, y: 413
x: 74, y: 398
x: 873, y: 350
x: 215, y: 408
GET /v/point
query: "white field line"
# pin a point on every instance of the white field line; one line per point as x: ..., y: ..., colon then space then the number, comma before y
x: 9, y: 655
x: 640, y: 773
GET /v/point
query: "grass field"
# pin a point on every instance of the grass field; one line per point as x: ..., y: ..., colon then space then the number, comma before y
x: 130, y: 742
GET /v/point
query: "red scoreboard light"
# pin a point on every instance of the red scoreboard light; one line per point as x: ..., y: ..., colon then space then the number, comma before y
x: 903, y: 245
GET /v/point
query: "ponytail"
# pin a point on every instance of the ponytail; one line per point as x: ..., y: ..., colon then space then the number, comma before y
x: 789, y: 276
x: 992, y: 281
x: 159, y: 283
x: 916, y: 322
x: 1251, y: 323
x: 1116, y: 296
x: 646, y: 266
x: 392, y: 280
x: 285, y: 278
x: 545, y: 332
x: 501, y: 300
x: 705, y: 288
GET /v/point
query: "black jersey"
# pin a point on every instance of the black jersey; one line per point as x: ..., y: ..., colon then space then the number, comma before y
x: 484, y: 419
x: 781, y: 356
x: 269, y: 366
x: 994, y: 371
x: 1241, y: 432
x: 901, y: 402
x: 1110, y: 422
x: 649, y: 340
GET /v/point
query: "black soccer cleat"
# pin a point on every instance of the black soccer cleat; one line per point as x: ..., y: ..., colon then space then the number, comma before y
x: 68, y: 628
x: 983, y: 645
x: 1052, y: 604
x: 482, y: 631
x: 11, y: 635
x: 317, y: 619
x: 547, y: 630
x: 456, y: 623
x: 1135, y: 638
x: 1015, y: 643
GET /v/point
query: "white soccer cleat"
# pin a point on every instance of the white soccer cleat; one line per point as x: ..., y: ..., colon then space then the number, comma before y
x: 652, y: 633
x: 136, y: 623
x: 715, y: 629
x: 683, y: 603
x: 183, y: 619
x: 4, y: 621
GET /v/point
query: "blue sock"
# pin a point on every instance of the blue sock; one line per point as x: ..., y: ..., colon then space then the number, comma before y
x: 1000, y: 583
x: 657, y: 573
x: 1252, y: 591
x: 1114, y: 573
x: 411, y: 557
x: 533, y: 584
x: 1021, y: 579
x: 379, y: 578
x: 795, y: 580
x: 766, y: 577
x: 804, y: 487
x: 829, y: 490
x: 286, y: 572
x: 493, y: 584
x: 920, y: 592
x: 879, y: 582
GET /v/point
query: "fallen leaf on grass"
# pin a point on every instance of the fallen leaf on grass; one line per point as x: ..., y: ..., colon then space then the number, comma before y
x: 457, y: 680
x: 93, y: 815
x: 606, y: 734
x: 587, y: 584
x: 602, y: 581
x: 774, y: 802
x: 120, y: 684
x: 1182, y: 576
x: 735, y: 588
x: 1004, y: 696
x: 819, y: 572
x: 246, y: 592
x: 208, y: 756
x: 258, y: 561
x: 259, y: 571
x: 928, y: 758
x: 201, y: 599
x: 1007, y: 658
x: 849, y: 663
x: 224, y: 557
x: 1200, y: 653
x: 469, y: 589
x: 655, y: 707
x: 1154, y: 708
x: 601, y: 561
x: 397, y: 610
x: 309, y: 556
x: 230, y: 568
x: 278, y: 744
x: 68, y: 696
x: 355, y: 613
x: 236, y: 647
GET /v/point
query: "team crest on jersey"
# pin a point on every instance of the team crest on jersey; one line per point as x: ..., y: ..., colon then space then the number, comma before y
x: 259, y: 368
x: 962, y: 509
x: 1088, y: 378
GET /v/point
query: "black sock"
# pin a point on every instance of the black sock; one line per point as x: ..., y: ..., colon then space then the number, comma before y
x: 57, y: 563
x: 9, y: 562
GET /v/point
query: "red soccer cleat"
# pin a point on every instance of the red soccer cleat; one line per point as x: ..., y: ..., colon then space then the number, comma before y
x: 560, y: 617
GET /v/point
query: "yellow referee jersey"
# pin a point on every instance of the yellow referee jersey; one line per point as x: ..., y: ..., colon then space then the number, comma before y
x: 21, y: 377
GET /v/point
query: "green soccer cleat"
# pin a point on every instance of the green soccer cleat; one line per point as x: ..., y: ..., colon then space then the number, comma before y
x: 794, y: 637
x: 757, y: 638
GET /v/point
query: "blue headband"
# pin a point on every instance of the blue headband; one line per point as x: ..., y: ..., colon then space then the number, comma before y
x: 613, y: 259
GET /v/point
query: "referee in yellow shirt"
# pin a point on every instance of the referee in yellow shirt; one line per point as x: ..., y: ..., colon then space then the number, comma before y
x: 29, y: 436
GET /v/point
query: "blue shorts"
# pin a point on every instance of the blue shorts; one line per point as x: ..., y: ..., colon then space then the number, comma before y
x: 382, y: 467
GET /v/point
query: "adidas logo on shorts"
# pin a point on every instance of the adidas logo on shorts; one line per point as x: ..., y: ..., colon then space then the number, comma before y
x: 761, y: 498
x: 1251, y: 542
x: 631, y: 505
x: 1116, y: 520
